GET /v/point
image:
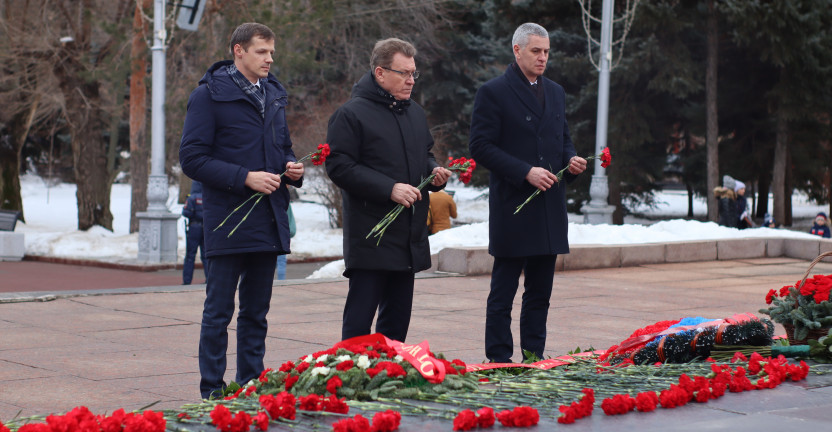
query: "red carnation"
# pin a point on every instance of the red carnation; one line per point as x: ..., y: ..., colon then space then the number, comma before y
x: 521, y: 416
x: 290, y: 381
x: 303, y: 366
x: 309, y: 403
x: 485, y: 417
x: 263, y: 377
x: 606, y: 158
x: 345, y: 365
x: 355, y: 424
x: 286, y: 367
x: 647, y: 401
x: 333, y: 384
x: 618, y: 404
x: 386, y: 421
x: 262, y: 421
x: 334, y: 405
x: 221, y: 417
x: 465, y: 420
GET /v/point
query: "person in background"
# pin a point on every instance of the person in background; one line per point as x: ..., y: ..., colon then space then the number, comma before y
x: 236, y: 142
x: 768, y: 221
x: 520, y: 133
x: 442, y: 209
x: 194, y: 234
x: 744, y: 220
x: 281, y: 259
x: 726, y: 205
x: 821, y: 226
x: 381, y: 149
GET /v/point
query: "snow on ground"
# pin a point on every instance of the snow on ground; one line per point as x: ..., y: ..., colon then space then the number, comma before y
x: 51, y: 224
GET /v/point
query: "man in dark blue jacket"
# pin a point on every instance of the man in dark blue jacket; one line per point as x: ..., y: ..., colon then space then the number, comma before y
x: 236, y: 142
x: 194, y: 234
x: 381, y: 150
x: 519, y: 132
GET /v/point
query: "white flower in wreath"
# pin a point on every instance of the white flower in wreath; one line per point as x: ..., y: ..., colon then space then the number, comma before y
x: 398, y: 358
x: 343, y: 358
x: 363, y: 362
x: 308, y: 358
x: 323, y: 358
x: 320, y: 370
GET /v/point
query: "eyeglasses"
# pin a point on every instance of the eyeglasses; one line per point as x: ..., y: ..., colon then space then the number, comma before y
x: 406, y: 75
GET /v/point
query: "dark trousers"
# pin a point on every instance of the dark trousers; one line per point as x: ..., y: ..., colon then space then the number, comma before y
x: 389, y: 292
x: 254, y: 272
x: 539, y: 272
x: 194, y: 239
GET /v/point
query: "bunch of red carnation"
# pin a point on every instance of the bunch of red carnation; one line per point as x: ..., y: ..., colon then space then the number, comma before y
x: 467, y: 419
x: 393, y: 369
x: 319, y: 157
x: 80, y: 419
x: 464, y: 166
x: 385, y: 421
x: 579, y: 409
x: 331, y: 403
x: 278, y: 406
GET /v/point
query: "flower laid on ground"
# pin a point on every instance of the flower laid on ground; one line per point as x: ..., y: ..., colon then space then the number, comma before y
x: 467, y: 419
x: 606, y: 160
x: 686, y: 339
x: 318, y: 157
x: 806, y: 305
x: 80, y: 419
x: 465, y: 167
x: 363, y: 368
x: 522, y: 416
x: 579, y: 409
x: 666, y: 386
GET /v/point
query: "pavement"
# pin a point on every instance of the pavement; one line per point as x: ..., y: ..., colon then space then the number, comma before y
x: 110, y: 338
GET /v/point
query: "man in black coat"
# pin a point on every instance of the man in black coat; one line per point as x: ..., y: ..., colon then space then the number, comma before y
x: 519, y: 132
x: 381, y: 150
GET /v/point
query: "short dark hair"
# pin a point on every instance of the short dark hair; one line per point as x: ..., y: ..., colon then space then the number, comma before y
x: 245, y: 32
x: 385, y: 49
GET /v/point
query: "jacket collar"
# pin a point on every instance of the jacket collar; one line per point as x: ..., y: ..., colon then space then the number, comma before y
x: 224, y: 89
x: 520, y: 85
x: 368, y: 88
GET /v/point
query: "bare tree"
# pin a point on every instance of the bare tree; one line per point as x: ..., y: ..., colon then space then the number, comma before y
x: 88, y: 65
x: 27, y: 91
x: 139, y: 169
x: 711, y: 114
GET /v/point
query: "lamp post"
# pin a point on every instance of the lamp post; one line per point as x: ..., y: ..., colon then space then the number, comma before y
x: 158, y: 237
x: 598, y: 210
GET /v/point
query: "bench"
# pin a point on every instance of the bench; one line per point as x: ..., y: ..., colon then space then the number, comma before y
x: 8, y: 219
x: 12, y: 246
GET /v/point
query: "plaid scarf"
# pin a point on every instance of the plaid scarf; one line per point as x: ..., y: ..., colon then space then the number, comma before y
x: 256, y: 93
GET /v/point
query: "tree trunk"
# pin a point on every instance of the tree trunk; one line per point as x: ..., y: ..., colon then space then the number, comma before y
x: 787, y: 197
x: 711, y: 117
x: 139, y: 162
x: 10, y: 151
x: 764, y: 187
x: 87, y: 121
x: 614, y: 197
x: 778, y: 181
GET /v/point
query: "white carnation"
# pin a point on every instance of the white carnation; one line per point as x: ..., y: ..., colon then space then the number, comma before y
x: 363, y: 362
x: 343, y: 358
x: 323, y: 358
x: 398, y: 358
x: 321, y: 370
